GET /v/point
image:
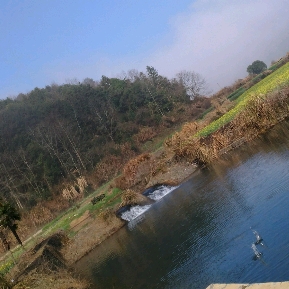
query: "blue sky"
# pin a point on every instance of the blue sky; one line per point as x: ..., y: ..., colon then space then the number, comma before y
x: 45, y: 41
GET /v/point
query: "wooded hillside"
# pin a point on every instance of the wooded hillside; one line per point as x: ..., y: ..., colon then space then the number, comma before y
x: 65, y: 139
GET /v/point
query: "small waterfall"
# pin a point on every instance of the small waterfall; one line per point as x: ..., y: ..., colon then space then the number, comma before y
x: 131, y: 224
x: 132, y: 214
x: 160, y: 192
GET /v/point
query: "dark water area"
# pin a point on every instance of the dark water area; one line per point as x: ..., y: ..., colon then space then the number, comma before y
x: 200, y: 233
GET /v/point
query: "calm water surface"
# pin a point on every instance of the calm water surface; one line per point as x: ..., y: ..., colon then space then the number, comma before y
x: 200, y: 233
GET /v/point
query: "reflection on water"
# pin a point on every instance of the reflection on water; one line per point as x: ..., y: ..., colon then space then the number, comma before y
x: 200, y: 233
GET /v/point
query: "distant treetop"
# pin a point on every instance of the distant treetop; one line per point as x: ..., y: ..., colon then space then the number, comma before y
x: 256, y: 67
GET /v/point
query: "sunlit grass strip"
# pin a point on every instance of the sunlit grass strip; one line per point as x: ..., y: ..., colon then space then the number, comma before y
x: 63, y: 221
x: 277, y: 79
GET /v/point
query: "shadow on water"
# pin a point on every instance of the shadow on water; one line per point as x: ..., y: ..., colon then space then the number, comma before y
x: 200, y: 233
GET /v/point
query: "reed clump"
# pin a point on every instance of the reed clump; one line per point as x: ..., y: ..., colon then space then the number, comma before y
x: 134, y: 171
x: 130, y: 197
x: 107, y: 214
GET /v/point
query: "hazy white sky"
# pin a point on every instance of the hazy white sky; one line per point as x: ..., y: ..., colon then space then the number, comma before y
x: 219, y: 39
x: 52, y: 41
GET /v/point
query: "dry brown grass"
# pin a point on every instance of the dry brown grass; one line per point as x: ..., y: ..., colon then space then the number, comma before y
x: 107, y: 214
x: 184, y: 144
x: 75, y: 190
x: 177, y: 141
x: 4, y: 283
x: 131, y: 167
x: 121, y: 183
x: 145, y: 134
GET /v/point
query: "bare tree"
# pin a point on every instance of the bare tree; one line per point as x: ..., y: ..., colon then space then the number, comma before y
x: 89, y: 81
x: 107, y: 119
x: 74, y: 147
x: 9, y: 183
x: 193, y: 82
x: 47, y: 138
x: 72, y: 81
x: 30, y: 177
x: 130, y: 75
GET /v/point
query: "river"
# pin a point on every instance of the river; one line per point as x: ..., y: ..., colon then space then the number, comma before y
x: 202, y: 232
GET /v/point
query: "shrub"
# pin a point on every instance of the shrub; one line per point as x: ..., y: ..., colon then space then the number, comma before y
x: 204, y: 113
x: 145, y: 134
x: 121, y: 183
x: 131, y: 167
x: 106, y: 214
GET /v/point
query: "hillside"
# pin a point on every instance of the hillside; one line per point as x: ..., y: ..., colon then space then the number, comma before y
x: 61, y: 142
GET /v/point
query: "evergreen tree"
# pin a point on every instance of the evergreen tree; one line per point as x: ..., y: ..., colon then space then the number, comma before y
x: 8, y: 216
x: 256, y: 67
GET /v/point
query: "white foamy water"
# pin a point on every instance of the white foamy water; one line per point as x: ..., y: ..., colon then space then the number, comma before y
x: 160, y: 192
x: 131, y: 224
x: 134, y: 212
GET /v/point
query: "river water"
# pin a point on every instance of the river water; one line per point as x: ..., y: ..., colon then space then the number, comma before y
x: 201, y: 232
